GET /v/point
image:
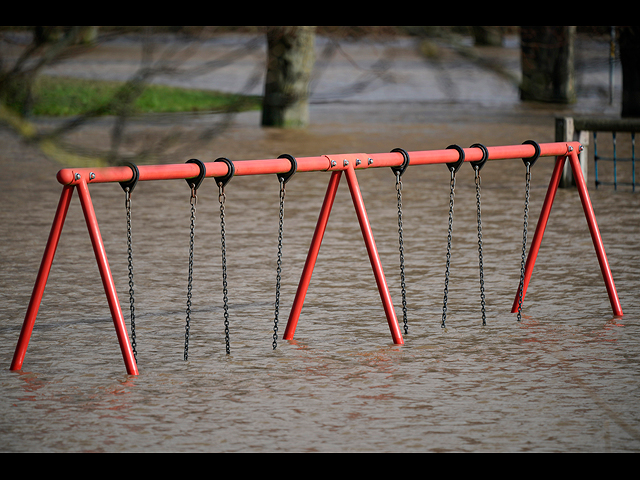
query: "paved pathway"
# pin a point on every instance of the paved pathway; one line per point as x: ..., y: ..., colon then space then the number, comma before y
x: 361, y: 72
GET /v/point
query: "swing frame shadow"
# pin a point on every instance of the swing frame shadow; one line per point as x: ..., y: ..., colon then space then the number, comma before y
x: 80, y: 179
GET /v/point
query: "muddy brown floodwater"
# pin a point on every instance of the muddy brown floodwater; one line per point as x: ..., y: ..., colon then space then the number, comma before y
x: 564, y: 379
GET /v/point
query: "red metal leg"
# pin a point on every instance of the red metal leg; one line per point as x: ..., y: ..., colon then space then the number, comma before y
x: 595, y: 233
x: 107, y: 279
x: 593, y: 228
x: 41, y: 279
x: 540, y: 227
x: 314, y: 248
x: 374, y: 258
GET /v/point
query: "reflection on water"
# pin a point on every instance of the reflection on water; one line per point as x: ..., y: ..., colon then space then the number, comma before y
x: 564, y: 379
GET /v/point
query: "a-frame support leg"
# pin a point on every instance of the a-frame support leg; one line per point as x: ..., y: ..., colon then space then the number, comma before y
x: 43, y: 276
x: 593, y: 229
x: 107, y: 279
x: 314, y: 248
x: 103, y: 266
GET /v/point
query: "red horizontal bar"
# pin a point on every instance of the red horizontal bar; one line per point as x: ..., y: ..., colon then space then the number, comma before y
x: 71, y: 176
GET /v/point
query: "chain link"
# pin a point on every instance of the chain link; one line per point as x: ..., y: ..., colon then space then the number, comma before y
x: 524, y: 238
x: 401, y: 249
x: 127, y: 204
x: 221, y: 199
x: 279, y: 264
x: 193, y: 200
x: 480, y: 259
x: 446, y: 275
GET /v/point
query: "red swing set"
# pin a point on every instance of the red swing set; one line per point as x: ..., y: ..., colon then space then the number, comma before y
x: 80, y: 179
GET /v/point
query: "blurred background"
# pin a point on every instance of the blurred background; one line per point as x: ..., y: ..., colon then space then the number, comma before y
x: 60, y: 85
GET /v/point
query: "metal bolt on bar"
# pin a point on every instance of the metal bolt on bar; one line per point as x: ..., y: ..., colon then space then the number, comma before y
x: 80, y: 178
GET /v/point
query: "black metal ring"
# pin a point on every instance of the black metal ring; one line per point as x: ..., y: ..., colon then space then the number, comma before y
x: 455, y: 166
x: 485, y: 156
x: 222, y: 181
x: 532, y: 160
x: 294, y: 166
x: 195, y: 182
x: 401, y: 168
x: 131, y: 184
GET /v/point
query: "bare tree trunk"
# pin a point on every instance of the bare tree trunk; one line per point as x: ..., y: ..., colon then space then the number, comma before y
x: 290, y: 60
x: 84, y: 35
x: 548, y: 64
x: 487, y: 36
x: 629, y: 39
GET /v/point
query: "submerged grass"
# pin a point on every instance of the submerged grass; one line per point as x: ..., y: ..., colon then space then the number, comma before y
x: 63, y: 96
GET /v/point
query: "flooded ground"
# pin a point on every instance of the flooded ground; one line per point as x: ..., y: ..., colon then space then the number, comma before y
x: 565, y: 379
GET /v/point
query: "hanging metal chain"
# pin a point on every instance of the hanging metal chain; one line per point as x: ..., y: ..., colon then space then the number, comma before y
x: 279, y: 264
x: 401, y: 249
x: 193, y: 200
x: 446, y: 275
x: 127, y: 204
x: 480, y: 259
x: 222, y: 198
x: 524, y: 238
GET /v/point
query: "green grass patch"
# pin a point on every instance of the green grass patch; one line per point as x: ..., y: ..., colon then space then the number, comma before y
x: 62, y: 96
